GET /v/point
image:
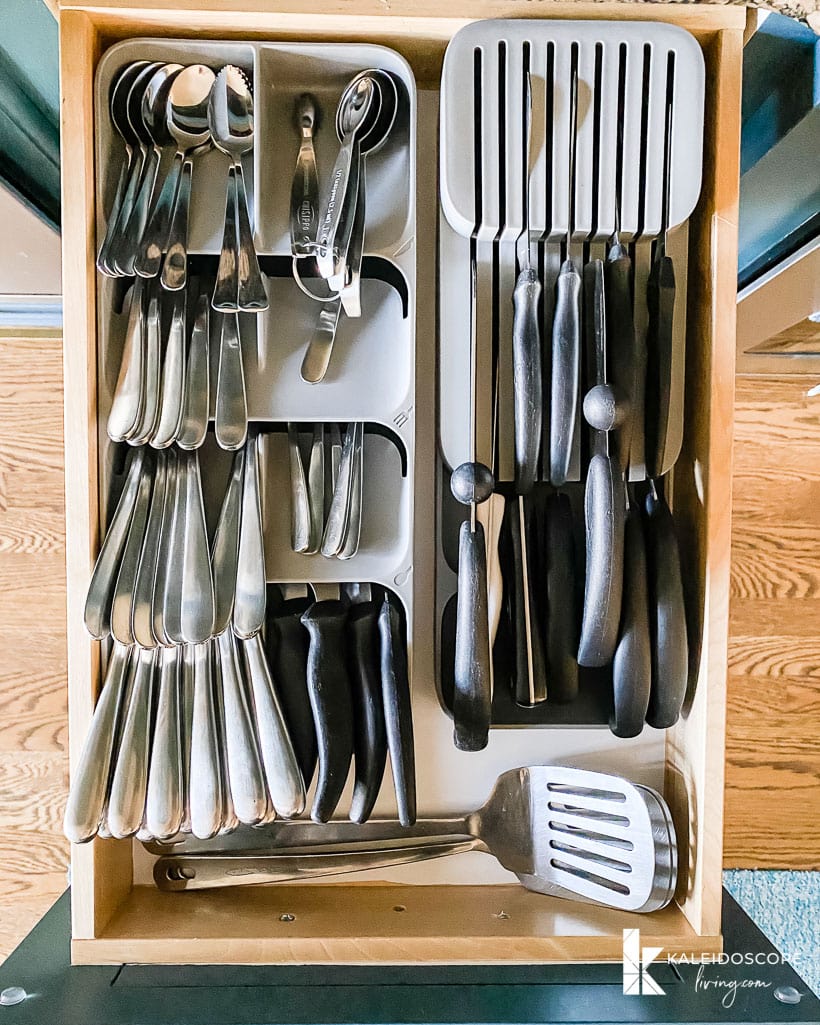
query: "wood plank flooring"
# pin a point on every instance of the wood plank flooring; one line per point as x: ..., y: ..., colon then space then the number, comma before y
x: 33, y: 742
x: 773, y: 746
x: 773, y: 740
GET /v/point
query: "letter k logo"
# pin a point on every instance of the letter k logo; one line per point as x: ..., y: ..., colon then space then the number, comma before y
x: 637, y: 980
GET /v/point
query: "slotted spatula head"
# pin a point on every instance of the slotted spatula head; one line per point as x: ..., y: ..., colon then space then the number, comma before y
x: 583, y: 835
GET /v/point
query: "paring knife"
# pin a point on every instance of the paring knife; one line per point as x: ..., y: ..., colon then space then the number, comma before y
x: 398, y: 712
x: 670, y: 644
x: 286, y: 642
x: 369, y: 733
x: 330, y: 696
x: 632, y: 664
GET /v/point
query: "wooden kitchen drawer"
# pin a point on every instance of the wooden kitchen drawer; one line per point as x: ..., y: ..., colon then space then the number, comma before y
x: 116, y: 921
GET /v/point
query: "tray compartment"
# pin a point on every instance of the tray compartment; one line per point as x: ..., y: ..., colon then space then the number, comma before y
x: 286, y: 71
x: 210, y: 171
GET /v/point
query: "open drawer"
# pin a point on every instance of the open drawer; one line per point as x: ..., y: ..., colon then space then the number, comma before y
x: 465, y: 912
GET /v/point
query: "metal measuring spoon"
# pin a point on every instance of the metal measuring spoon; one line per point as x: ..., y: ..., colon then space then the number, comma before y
x: 239, y: 284
x: 118, y: 111
x: 304, y: 193
x: 186, y: 119
x: 354, y: 118
x: 152, y: 129
x: 347, y: 281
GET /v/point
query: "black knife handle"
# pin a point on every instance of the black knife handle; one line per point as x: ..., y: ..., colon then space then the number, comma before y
x: 527, y: 387
x: 287, y: 645
x: 562, y: 620
x: 604, y: 511
x: 566, y: 366
x: 660, y: 301
x: 632, y: 665
x: 667, y: 616
x: 621, y: 346
x: 530, y: 684
x: 472, y: 693
x: 398, y: 711
x: 369, y: 736
x: 331, y: 702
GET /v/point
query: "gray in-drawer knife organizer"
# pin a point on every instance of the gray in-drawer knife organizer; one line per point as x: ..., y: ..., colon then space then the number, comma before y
x: 570, y: 160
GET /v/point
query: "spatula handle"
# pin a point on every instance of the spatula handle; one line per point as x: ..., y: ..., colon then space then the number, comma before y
x: 203, y: 872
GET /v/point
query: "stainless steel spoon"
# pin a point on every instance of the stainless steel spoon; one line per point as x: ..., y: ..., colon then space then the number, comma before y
x: 129, y: 175
x: 153, y: 131
x: 239, y: 284
x: 186, y: 118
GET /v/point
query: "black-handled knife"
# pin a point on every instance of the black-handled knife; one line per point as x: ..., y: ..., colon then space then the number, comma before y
x: 287, y: 642
x: 369, y: 735
x: 667, y: 615
x: 398, y: 711
x: 632, y: 664
x: 624, y: 361
x: 472, y: 694
x: 331, y: 701
x: 660, y: 301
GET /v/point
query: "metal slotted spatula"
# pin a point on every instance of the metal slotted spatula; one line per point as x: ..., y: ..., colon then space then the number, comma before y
x: 564, y: 832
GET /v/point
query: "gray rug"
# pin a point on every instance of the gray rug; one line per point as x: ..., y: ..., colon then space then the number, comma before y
x: 786, y: 907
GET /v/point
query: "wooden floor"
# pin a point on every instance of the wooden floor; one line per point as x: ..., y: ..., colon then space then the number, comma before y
x: 773, y: 756
x: 33, y: 764
x: 773, y: 742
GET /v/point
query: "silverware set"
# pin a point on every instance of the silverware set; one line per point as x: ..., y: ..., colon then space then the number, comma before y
x: 326, y: 489
x: 168, y: 115
x: 200, y: 738
x: 329, y: 236
x: 185, y: 739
